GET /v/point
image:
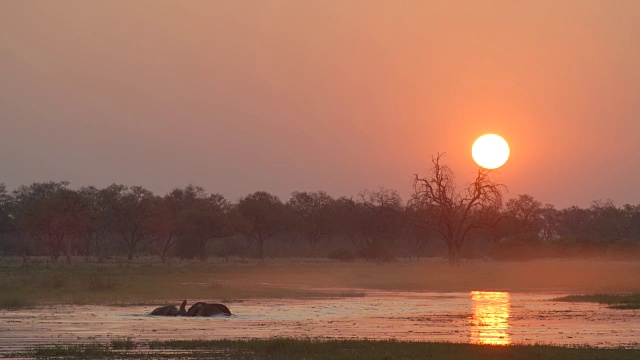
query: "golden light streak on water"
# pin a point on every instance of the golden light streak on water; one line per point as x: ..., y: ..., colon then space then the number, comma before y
x: 490, y: 322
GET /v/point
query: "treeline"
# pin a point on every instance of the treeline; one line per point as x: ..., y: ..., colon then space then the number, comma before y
x: 52, y: 219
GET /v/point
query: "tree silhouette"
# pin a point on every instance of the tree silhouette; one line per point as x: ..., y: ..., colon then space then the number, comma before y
x: 132, y: 213
x: 262, y: 217
x: 380, y: 220
x: 51, y: 214
x: 524, y: 216
x: 450, y: 212
x: 313, y: 208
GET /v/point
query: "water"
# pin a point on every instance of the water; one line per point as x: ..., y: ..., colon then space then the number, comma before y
x: 476, y: 317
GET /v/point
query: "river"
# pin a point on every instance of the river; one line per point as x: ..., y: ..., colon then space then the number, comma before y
x: 481, y: 317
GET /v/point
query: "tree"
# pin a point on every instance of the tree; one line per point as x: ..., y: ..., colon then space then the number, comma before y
x: 50, y: 213
x: 204, y: 220
x: 574, y: 222
x: 313, y: 210
x: 550, y: 219
x: 5, y: 204
x: 343, y: 219
x: 78, y: 210
x: 8, y: 244
x: 380, y: 219
x: 131, y: 211
x: 100, y: 224
x: 163, y: 224
x: 177, y: 227
x: 609, y: 222
x: 632, y: 214
x: 13, y: 241
x: 450, y: 212
x: 262, y: 217
x: 191, y: 219
x: 525, y: 216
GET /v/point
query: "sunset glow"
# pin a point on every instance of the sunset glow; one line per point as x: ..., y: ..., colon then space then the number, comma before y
x: 328, y: 176
x: 490, y: 151
x: 490, y: 322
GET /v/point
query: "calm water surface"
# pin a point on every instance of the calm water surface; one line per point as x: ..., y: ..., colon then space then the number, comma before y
x: 475, y: 317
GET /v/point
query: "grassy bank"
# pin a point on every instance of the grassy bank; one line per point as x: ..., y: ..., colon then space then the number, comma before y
x: 148, y: 281
x: 626, y: 301
x: 310, y: 349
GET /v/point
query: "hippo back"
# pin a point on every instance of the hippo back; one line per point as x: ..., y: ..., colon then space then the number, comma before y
x: 225, y: 310
x: 168, y: 310
x: 196, y: 309
x: 205, y: 309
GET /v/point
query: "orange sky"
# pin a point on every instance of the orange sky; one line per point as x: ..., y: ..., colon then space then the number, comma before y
x: 239, y: 96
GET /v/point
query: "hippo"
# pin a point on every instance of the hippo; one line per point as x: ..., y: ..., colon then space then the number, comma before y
x: 171, y: 310
x: 205, y: 309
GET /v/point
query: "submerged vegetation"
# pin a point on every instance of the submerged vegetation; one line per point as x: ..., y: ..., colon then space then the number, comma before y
x: 284, y: 348
x: 614, y: 301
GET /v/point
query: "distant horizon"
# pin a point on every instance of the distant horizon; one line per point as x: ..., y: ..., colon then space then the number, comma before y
x: 285, y: 197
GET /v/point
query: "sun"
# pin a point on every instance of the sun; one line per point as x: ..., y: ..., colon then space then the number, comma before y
x: 490, y: 151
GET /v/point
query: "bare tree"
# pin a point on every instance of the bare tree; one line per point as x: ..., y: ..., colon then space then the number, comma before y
x: 450, y: 212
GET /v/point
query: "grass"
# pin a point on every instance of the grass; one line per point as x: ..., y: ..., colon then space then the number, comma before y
x: 89, y: 351
x: 614, y: 301
x: 284, y: 348
x: 123, y: 344
x: 148, y: 281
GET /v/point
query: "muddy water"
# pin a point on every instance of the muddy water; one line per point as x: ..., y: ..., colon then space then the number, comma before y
x: 476, y: 317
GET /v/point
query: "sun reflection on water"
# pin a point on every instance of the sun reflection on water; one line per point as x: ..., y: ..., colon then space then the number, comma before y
x: 490, y: 322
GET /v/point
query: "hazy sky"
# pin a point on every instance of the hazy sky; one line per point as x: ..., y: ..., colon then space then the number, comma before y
x: 239, y: 96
